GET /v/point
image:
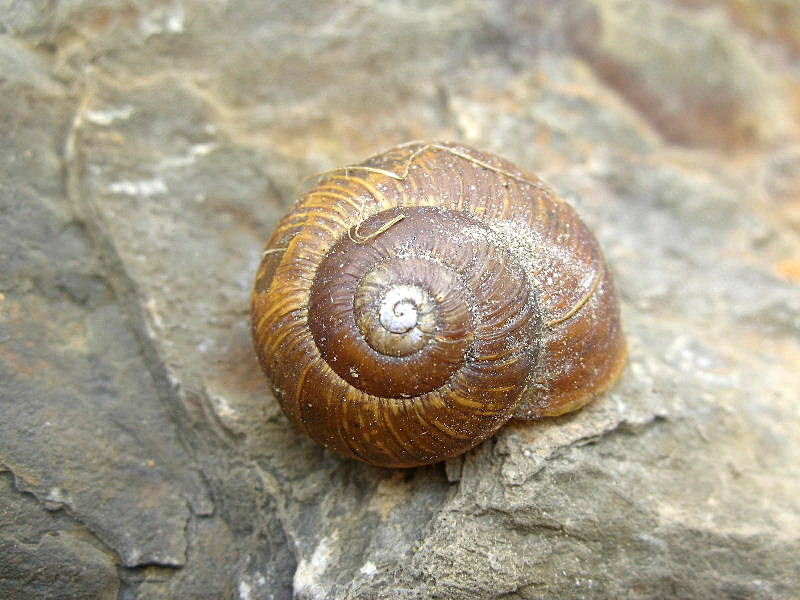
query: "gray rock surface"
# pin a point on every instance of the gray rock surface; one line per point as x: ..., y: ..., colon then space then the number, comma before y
x: 149, y: 147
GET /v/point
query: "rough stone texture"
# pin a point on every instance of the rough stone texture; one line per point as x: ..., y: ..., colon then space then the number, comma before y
x: 149, y: 146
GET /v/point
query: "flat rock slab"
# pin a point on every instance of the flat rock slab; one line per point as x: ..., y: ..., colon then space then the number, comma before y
x: 150, y: 146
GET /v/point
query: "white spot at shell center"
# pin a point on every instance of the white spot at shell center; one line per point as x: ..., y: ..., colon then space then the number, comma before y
x: 399, y: 309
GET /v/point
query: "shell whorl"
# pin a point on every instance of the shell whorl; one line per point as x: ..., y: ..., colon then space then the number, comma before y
x: 402, y: 311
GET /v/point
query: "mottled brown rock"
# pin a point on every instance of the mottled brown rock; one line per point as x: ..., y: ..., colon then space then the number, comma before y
x: 47, y: 554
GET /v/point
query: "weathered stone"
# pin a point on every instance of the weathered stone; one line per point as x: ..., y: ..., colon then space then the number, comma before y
x: 47, y: 554
x: 82, y: 424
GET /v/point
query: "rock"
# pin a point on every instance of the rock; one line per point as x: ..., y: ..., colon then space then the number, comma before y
x: 151, y: 146
x: 45, y: 554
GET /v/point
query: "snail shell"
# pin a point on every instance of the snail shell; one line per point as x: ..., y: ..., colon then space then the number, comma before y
x: 407, y: 307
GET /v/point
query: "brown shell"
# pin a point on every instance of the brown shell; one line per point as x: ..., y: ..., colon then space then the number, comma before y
x: 409, y: 306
